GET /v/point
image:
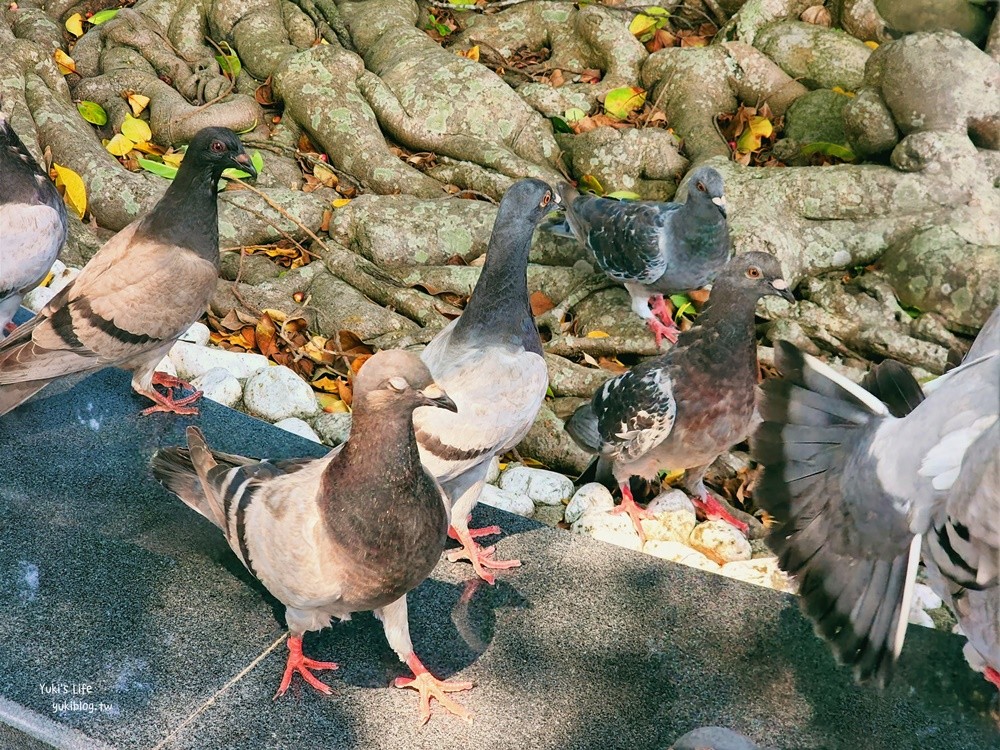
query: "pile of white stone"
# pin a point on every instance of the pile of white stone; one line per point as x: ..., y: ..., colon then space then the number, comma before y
x: 250, y: 383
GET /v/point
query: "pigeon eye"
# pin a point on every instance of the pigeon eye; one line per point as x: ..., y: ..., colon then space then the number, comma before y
x: 218, y: 146
x: 398, y: 384
x: 545, y: 200
x: 753, y: 272
x: 700, y: 186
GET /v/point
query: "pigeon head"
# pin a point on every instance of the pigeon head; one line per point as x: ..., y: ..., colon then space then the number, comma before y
x: 397, y: 379
x: 705, y: 189
x: 753, y: 274
x: 530, y: 198
x: 219, y: 149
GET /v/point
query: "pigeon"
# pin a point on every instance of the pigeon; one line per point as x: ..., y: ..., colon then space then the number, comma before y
x: 681, y: 409
x: 490, y: 360
x: 352, y: 531
x: 32, y: 223
x: 138, y: 294
x: 862, y: 491
x: 653, y: 248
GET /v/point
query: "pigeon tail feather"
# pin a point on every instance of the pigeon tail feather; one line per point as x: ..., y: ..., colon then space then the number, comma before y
x: 582, y: 426
x: 817, y: 426
x: 895, y: 386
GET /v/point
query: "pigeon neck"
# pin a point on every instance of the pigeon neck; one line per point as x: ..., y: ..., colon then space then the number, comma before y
x: 498, y: 309
x: 728, y: 321
x: 188, y: 213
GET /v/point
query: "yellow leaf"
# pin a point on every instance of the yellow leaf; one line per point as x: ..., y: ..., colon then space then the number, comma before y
x: 838, y: 90
x: 330, y: 403
x: 276, y: 315
x: 473, y: 53
x: 871, y: 45
x: 641, y: 25
x: 325, y: 175
x: 341, y: 202
x: 64, y: 62
x: 174, y: 159
x: 750, y: 139
x: 137, y: 102
x: 149, y: 148
x: 673, y: 476
x: 597, y: 335
x: 76, y: 192
x: 74, y: 25
x: 136, y: 130
x: 119, y: 145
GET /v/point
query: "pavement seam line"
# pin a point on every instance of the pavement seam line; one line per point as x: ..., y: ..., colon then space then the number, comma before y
x: 211, y: 699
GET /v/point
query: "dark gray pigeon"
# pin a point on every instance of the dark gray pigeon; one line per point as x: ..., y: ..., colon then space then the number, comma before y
x: 680, y: 410
x: 861, y: 496
x: 490, y: 361
x: 350, y: 532
x: 138, y: 294
x: 653, y: 248
x: 32, y: 223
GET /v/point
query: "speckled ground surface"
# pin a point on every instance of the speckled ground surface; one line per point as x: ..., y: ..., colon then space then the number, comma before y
x: 111, y: 587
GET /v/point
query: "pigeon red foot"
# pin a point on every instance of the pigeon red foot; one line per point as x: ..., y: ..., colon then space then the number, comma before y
x: 662, y: 323
x: 302, y: 664
x: 429, y: 686
x: 168, y: 403
x: 993, y: 676
x: 713, y: 510
x: 635, y: 512
x: 480, y: 557
x: 474, y: 533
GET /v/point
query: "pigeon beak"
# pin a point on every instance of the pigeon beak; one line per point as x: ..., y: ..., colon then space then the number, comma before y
x: 781, y: 287
x: 435, y: 396
x: 720, y: 203
x: 242, y: 161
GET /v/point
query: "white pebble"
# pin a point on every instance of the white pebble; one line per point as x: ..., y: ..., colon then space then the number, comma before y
x: 613, y: 529
x: 925, y: 598
x: 493, y: 472
x: 198, y: 334
x: 192, y: 360
x: 542, y: 486
x: 512, y: 502
x: 761, y: 571
x: 679, y: 553
x: 920, y: 617
x: 61, y: 276
x: 674, y: 517
x: 220, y: 386
x: 593, y: 496
x: 333, y: 428
x: 37, y: 298
x: 276, y: 393
x: 720, y: 541
x: 298, y: 427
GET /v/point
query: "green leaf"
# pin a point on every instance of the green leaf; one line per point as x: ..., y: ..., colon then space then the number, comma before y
x: 549, y: 392
x: 913, y: 312
x: 158, y: 168
x: 829, y: 149
x: 656, y: 10
x: 621, y: 102
x: 624, y: 195
x: 682, y: 305
x: 559, y: 125
x: 102, y: 16
x: 230, y: 64
x: 462, y: 2
x: 238, y: 174
x: 258, y: 161
x: 574, y: 114
x: 592, y: 184
x: 92, y: 112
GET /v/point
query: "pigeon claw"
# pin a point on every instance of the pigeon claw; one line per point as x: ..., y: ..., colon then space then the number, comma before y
x: 662, y: 331
x: 635, y: 512
x: 429, y: 686
x: 168, y: 402
x: 474, y: 533
x: 992, y: 676
x: 302, y: 664
x: 713, y: 510
x: 480, y: 557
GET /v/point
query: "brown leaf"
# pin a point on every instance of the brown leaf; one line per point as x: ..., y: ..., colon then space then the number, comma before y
x: 556, y: 78
x: 266, y: 333
x: 611, y: 364
x: 263, y: 94
x: 346, y: 392
x: 590, y: 75
x: 698, y: 296
x: 540, y: 303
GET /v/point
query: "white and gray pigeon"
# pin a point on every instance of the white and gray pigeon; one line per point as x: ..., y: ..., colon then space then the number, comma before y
x: 138, y: 294
x: 651, y: 247
x: 490, y: 361
x: 353, y: 531
x: 861, y: 496
x: 682, y: 409
x: 32, y: 223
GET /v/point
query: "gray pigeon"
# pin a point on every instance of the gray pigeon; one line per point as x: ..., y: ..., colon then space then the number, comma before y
x: 490, y: 361
x: 653, y: 248
x: 682, y: 409
x: 32, y: 223
x: 350, y: 532
x: 138, y: 294
x: 861, y: 496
